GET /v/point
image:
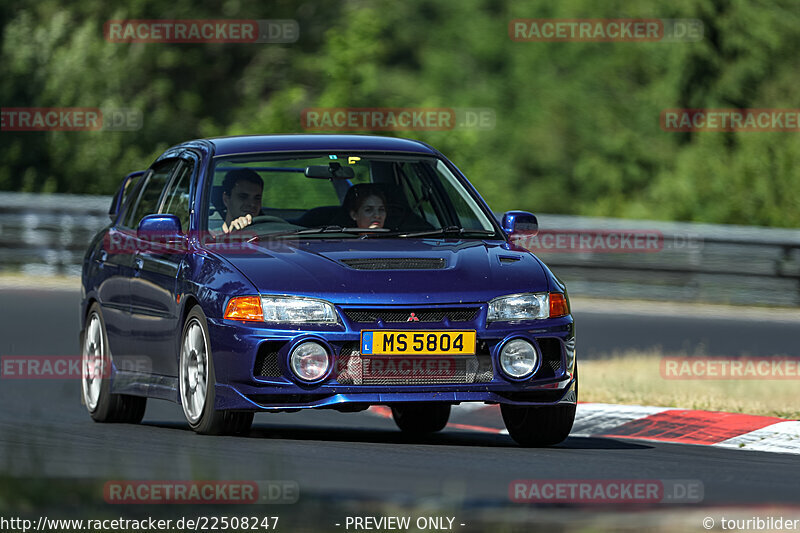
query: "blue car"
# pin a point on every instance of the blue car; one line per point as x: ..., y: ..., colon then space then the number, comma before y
x: 283, y: 272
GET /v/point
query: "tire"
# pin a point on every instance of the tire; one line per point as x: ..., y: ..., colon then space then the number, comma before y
x: 103, y: 406
x: 197, y: 381
x: 535, y: 427
x: 421, y: 418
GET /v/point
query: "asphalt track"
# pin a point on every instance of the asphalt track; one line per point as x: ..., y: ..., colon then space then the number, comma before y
x: 46, y: 433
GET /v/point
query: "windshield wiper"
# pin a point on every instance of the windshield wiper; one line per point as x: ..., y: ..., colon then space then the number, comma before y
x: 320, y: 230
x: 449, y: 231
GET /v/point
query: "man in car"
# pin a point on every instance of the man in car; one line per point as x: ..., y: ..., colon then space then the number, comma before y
x: 241, y: 193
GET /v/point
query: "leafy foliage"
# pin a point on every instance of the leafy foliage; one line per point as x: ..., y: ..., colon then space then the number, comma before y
x: 577, y: 127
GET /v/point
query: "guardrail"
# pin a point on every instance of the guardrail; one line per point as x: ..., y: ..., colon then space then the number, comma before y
x: 740, y: 265
x: 48, y: 234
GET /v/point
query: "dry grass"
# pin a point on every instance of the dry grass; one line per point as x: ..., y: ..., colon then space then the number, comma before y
x: 635, y: 378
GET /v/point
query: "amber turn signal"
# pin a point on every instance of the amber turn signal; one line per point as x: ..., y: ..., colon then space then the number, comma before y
x: 244, y: 308
x: 558, y: 305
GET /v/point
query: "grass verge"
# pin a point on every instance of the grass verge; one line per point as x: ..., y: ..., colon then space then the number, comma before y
x: 634, y: 378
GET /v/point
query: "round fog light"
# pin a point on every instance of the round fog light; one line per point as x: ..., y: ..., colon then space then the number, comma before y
x: 518, y: 358
x: 309, y: 361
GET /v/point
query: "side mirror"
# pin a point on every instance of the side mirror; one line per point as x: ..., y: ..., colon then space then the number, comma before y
x: 116, y: 202
x: 161, y: 231
x: 520, y: 222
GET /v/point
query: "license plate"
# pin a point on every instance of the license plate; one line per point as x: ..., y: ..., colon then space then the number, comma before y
x: 418, y: 342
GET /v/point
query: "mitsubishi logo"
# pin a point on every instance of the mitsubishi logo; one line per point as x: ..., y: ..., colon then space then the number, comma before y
x: 412, y: 318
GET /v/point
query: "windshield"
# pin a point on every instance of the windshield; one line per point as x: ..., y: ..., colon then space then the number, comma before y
x: 343, y: 193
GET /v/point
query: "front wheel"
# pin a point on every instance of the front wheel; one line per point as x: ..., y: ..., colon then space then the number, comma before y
x: 421, y: 419
x: 197, y: 383
x: 540, y: 426
x: 103, y: 406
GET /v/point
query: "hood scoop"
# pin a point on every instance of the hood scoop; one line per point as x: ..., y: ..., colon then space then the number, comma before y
x: 395, y: 263
x: 505, y: 259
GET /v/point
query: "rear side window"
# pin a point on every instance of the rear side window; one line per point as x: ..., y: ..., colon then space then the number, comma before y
x: 128, y: 187
x: 147, y: 202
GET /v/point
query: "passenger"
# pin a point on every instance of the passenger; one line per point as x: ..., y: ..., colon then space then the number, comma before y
x: 242, y: 191
x: 366, y: 205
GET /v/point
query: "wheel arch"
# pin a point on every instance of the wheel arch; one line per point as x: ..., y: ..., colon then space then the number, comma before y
x: 189, y: 302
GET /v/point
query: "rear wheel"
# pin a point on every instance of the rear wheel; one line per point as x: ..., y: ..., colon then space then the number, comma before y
x: 95, y: 383
x: 540, y: 426
x: 197, y: 383
x: 421, y: 419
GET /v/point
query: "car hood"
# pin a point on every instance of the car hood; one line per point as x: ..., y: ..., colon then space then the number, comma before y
x: 452, y: 271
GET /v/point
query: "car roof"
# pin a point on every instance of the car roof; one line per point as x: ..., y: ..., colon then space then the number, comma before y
x: 318, y: 142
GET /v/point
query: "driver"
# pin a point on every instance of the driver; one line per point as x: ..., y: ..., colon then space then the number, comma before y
x: 242, y: 190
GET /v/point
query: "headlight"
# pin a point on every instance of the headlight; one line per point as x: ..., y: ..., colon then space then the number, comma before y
x: 519, y: 307
x: 527, y: 306
x: 287, y: 309
x: 518, y: 358
x: 309, y: 361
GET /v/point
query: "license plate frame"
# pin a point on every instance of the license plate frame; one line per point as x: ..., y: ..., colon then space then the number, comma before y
x: 465, y: 339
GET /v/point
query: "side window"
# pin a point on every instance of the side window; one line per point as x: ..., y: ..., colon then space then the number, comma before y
x: 123, y: 195
x: 130, y: 186
x: 131, y: 194
x: 147, y: 202
x: 176, y: 199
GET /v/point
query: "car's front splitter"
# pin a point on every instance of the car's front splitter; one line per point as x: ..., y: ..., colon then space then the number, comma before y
x: 228, y: 397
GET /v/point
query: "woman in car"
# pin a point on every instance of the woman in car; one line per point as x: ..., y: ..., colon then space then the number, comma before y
x: 366, y: 205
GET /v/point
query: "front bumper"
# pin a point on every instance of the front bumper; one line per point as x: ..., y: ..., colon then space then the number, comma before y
x: 252, y: 371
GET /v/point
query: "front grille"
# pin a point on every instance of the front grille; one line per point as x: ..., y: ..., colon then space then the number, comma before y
x: 395, y: 263
x: 453, y: 314
x: 353, y: 369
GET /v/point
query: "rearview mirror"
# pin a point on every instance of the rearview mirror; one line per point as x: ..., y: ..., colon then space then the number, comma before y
x: 330, y: 171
